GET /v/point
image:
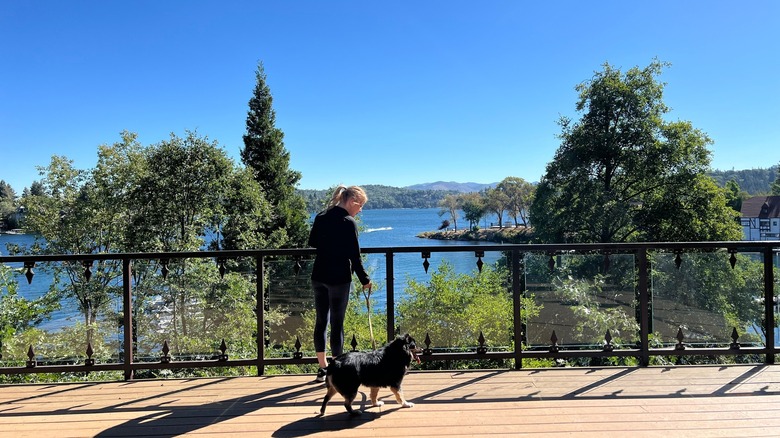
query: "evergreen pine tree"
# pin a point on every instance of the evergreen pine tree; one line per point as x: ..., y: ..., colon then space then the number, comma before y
x: 264, y: 153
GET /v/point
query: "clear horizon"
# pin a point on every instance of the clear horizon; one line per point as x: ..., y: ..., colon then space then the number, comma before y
x: 386, y: 93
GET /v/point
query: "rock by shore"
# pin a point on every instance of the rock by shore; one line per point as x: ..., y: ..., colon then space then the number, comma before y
x: 493, y: 234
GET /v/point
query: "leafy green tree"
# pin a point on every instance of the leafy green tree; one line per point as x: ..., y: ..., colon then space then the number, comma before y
x: 734, y: 196
x: 265, y: 154
x: 623, y: 173
x: 520, y: 193
x: 6, y: 191
x: 497, y: 201
x: 178, y: 194
x: 7, y: 205
x: 36, y: 188
x: 454, y: 308
x: 171, y: 196
x: 214, y: 308
x: 776, y: 184
x: 450, y: 205
x: 473, y: 206
x: 700, y: 214
x: 75, y: 216
x: 245, y: 212
x: 16, y: 312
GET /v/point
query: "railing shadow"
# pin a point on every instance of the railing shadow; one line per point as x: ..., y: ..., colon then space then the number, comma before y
x: 160, y: 417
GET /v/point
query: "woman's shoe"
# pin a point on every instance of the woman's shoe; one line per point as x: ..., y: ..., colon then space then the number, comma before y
x: 321, y: 373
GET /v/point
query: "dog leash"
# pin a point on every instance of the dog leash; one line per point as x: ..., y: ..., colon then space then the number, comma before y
x: 368, y: 309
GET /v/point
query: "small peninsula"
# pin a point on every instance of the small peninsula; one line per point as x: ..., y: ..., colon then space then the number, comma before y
x: 518, y: 234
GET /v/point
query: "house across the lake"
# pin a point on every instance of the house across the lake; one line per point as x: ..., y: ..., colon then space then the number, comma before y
x: 761, y: 218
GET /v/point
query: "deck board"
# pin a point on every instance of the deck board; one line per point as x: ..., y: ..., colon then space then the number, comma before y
x: 694, y: 401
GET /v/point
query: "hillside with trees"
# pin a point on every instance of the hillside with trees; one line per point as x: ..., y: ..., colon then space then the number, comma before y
x: 751, y: 181
x: 380, y: 196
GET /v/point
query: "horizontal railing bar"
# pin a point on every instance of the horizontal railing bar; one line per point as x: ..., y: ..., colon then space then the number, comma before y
x: 746, y: 246
x: 469, y: 355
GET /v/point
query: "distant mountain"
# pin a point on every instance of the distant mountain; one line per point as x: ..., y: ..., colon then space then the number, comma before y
x: 451, y: 186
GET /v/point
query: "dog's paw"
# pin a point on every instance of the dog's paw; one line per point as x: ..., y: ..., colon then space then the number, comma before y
x: 408, y: 404
x: 379, y: 403
x: 356, y: 412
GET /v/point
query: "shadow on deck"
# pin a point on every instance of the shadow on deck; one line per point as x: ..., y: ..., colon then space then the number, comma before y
x: 680, y: 401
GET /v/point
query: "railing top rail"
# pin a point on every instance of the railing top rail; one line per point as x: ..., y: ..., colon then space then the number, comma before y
x: 745, y: 246
x: 585, y: 247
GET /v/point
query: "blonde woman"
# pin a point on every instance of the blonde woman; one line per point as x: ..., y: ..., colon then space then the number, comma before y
x: 335, y: 236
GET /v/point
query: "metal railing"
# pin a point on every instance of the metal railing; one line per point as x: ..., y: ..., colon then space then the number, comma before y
x: 525, y: 281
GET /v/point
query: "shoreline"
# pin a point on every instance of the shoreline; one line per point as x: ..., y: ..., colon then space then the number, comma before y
x: 518, y: 234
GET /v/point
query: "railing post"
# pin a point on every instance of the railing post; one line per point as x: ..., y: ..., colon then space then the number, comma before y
x: 127, y: 303
x: 644, y: 307
x: 769, y: 311
x: 260, y: 312
x: 518, y: 286
x: 390, y: 275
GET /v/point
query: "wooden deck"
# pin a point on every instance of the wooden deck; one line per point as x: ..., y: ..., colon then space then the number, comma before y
x: 737, y: 401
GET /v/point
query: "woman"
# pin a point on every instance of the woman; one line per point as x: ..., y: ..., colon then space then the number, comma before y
x: 335, y: 236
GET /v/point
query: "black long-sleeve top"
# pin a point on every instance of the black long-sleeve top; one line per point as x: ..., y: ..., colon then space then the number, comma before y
x: 335, y: 236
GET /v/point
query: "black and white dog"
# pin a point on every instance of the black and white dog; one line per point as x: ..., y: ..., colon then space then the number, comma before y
x: 384, y: 367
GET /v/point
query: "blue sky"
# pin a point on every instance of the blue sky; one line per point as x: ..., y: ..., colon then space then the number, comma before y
x: 375, y: 92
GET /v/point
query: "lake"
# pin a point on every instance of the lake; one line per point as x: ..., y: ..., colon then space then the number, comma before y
x: 399, y: 228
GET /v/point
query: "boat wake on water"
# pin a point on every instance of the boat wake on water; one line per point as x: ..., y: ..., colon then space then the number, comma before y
x: 371, y: 230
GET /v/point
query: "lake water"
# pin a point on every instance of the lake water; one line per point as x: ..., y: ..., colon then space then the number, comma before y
x: 399, y: 228
x: 379, y: 228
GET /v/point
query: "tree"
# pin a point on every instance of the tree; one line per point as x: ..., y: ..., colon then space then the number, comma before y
x: 16, y: 312
x: 520, y: 193
x: 622, y: 173
x: 450, y: 205
x: 6, y: 191
x: 75, y: 215
x: 36, y: 188
x: 473, y: 205
x: 776, y: 184
x: 734, y: 195
x: 466, y: 305
x: 189, y: 195
x: 265, y: 154
x: 178, y: 194
x: 86, y: 212
x: 245, y: 212
x: 497, y: 201
x: 7, y: 204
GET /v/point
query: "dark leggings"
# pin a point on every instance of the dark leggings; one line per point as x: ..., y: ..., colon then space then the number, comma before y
x: 330, y: 302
